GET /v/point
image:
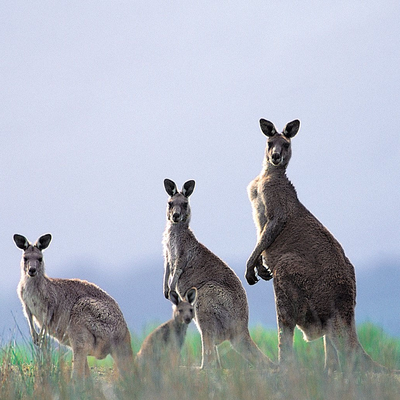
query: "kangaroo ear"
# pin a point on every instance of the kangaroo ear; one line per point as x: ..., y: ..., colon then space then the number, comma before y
x: 21, y: 241
x: 191, y: 295
x: 291, y: 129
x: 267, y: 127
x: 188, y: 188
x: 170, y: 187
x: 43, y: 242
x: 174, y: 297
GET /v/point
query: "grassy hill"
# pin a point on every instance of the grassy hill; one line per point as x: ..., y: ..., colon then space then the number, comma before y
x: 27, y: 373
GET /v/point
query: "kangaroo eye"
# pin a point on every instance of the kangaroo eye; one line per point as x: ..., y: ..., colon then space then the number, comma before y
x: 40, y: 259
x: 25, y: 259
x: 286, y: 145
x: 269, y: 145
x: 170, y: 204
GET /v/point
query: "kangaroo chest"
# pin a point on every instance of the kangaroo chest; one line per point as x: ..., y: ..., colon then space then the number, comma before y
x: 33, y: 298
x: 271, y: 196
x: 177, y: 247
x: 257, y: 194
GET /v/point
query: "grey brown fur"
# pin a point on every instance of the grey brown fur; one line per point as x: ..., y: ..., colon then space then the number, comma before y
x: 314, y: 282
x: 221, y: 307
x: 75, y: 312
x: 163, y: 345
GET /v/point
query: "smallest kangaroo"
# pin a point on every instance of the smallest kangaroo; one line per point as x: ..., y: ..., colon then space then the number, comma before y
x: 164, y: 344
x: 75, y: 312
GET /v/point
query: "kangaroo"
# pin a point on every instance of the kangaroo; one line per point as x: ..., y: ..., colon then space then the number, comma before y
x: 75, y: 312
x: 221, y: 306
x: 164, y: 344
x: 314, y: 281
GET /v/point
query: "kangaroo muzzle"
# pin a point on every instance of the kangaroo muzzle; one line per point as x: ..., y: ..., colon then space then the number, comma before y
x: 276, y: 158
x: 176, y: 216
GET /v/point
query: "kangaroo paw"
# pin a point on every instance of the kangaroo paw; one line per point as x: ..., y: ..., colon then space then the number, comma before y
x: 251, y: 277
x: 264, y: 273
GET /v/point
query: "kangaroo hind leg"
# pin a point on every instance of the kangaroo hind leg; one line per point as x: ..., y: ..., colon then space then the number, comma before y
x: 210, y: 356
x: 123, y: 356
x: 246, y: 347
x: 331, y: 356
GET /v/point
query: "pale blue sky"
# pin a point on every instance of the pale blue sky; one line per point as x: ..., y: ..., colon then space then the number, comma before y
x: 100, y: 101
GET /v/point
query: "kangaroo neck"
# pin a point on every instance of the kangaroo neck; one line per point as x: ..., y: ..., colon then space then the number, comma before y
x: 276, y: 175
x: 180, y: 331
x: 39, y: 284
x: 274, y: 172
x: 179, y: 229
x: 39, y: 280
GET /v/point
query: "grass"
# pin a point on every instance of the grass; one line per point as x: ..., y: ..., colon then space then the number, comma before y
x: 30, y: 373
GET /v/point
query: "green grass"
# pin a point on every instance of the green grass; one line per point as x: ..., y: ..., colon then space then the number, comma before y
x: 29, y: 373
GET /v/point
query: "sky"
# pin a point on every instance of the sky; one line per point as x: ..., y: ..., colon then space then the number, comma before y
x: 100, y: 101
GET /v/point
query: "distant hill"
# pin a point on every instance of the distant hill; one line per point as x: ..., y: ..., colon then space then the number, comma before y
x: 139, y: 293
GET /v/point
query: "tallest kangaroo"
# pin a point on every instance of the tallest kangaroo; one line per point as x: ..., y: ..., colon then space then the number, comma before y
x: 314, y: 282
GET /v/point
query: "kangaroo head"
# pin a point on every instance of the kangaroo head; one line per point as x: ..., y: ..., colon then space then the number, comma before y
x: 178, y: 209
x: 32, y: 256
x: 278, y: 151
x: 183, y: 309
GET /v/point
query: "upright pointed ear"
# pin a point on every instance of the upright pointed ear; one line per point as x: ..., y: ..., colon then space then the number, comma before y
x: 191, y: 295
x: 43, y: 242
x: 267, y: 127
x: 21, y: 241
x: 291, y: 129
x: 188, y: 188
x: 170, y: 187
x: 174, y: 297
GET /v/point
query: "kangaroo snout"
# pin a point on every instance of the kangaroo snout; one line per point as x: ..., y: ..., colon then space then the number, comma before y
x: 276, y: 158
x: 176, y: 216
x: 32, y: 271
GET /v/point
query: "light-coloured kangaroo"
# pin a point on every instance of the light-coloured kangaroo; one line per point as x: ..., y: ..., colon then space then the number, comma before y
x: 162, y: 346
x: 221, y: 306
x: 314, y: 282
x: 75, y: 312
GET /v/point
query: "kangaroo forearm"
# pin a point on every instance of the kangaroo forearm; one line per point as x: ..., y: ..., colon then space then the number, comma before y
x: 42, y: 332
x: 179, y: 266
x: 255, y: 256
x: 34, y: 335
x: 31, y: 323
x: 175, y: 277
x: 47, y: 321
x: 166, y: 279
x: 270, y: 232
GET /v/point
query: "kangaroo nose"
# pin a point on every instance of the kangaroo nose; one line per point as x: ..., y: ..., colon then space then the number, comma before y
x: 32, y: 271
x: 276, y: 158
x: 175, y: 216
